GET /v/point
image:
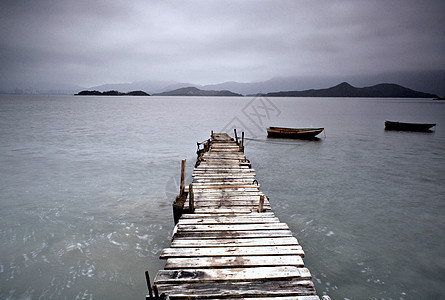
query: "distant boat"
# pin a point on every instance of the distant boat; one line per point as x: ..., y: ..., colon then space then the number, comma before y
x: 294, y: 133
x: 390, y: 125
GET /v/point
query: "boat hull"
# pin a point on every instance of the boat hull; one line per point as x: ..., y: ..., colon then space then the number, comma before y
x: 293, y: 133
x: 400, y: 126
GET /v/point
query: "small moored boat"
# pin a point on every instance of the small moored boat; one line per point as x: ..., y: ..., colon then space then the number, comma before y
x: 390, y: 125
x: 294, y: 133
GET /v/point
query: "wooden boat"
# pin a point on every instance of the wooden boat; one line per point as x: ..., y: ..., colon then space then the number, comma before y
x: 390, y: 125
x: 294, y: 133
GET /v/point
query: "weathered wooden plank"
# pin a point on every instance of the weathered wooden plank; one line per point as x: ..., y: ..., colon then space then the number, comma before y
x: 233, y: 261
x: 237, y: 210
x: 227, y: 192
x: 277, y: 298
x: 223, y: 178
x: 238, y: 289
x: 231, y: 274
x: 228, y: 203
x: 219, y: 173
x: 251, y: 215
x: 224, y: 159
x: 208, y: 196
x: 226, y: 186
x: 237, y: 196
x: 216, y: 175
x: 215, y: 206
x: 232, y: 181
x: 226, y: 220
x: 232, y: 234
x: 223, y: 156
x: 229, y: 251
x: 237, y: 168
x: 224, y: 170
x: 188, y: 243
x: 234, y: 227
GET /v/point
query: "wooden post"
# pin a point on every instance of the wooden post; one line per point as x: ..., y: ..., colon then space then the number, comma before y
x: 181, y: 187
x: 236, y: 137
x: 191, y: 199
x: 147, y: 278
x: 211, y: 134
x: 155, y: 288
x: 260, y: 208
x: 241, y: 147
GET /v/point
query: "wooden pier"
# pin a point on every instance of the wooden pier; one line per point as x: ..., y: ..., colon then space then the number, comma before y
x: 227, y: 242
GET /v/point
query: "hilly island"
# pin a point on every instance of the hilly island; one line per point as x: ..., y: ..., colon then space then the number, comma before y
x: 344, y: 89
x: 193, y: 91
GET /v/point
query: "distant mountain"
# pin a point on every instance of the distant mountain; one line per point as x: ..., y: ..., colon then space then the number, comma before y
x: 384, y: 90
x: 193, y: 91
x: 111, y: 93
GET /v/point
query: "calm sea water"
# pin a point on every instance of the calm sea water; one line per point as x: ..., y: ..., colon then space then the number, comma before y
x: 86, y: 185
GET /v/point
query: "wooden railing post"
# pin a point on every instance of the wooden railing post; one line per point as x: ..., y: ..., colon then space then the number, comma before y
x: 241, y: 145
x: 182, y: 185
x: 236, y: 136
x: 147, y: 278
x: 155, y: 289
x: 261, y: 204
x: 191, y: 199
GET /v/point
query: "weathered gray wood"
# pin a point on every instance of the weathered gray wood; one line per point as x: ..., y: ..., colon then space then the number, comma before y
x: 233, y: 261
x: 224, y: 178
x: 223, y: 169
x: 230, y: 248
x: 240, y: 210
x: 279, y: 298
x: 231, y: 200
x: 226, y: 220
x: 191, y: 198
x: 223, y: 182
x: 229, y: 203
x: 251, y: 215
x: 182, y: 184
x: 188, y: 243
x: 232, y: 234
x: 236, y: 227
x: 225, y: 194
x: 229, y: 251
x: 239, y: 289
x: 231, y: 274
x: 227, y: 186
x: 261, y: 204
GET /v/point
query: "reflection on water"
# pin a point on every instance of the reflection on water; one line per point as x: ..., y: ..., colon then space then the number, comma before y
x: 86, y: 187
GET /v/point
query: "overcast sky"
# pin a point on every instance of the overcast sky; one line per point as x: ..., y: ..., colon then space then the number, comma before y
x: 110, y: 41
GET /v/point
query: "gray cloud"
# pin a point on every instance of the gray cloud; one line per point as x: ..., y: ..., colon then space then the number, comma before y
x: 95, y: 42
